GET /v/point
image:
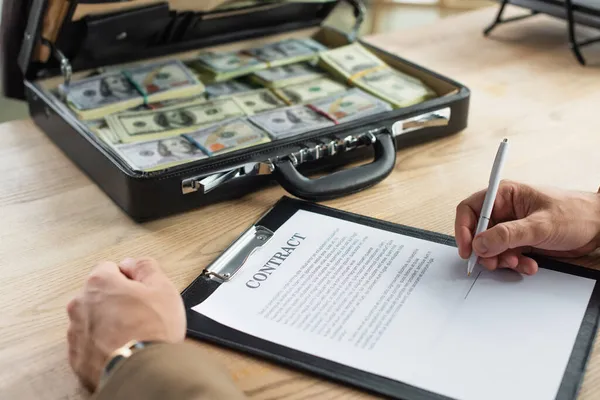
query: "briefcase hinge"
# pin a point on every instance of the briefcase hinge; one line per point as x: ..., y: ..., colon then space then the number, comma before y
x: 65, y: 65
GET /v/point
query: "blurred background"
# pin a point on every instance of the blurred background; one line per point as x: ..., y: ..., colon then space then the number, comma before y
x: 382, y: 16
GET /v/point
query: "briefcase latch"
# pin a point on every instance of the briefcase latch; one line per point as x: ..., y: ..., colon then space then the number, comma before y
x: 206, y: 183
x: 431, y: 119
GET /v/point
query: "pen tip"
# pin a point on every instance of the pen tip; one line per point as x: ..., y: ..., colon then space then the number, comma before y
x: 505, y: 140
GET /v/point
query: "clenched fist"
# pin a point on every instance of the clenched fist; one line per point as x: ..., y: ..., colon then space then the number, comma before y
x: 525, y: 219
x: 119, y: 303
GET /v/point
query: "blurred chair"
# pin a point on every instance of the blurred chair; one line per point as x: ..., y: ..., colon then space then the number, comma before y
x: 582, y: 12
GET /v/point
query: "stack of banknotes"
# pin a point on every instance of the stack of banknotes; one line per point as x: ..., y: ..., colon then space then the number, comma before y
x: 167, y: 113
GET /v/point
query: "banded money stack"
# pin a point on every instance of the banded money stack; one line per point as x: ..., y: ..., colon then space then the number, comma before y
x: 161, y: 114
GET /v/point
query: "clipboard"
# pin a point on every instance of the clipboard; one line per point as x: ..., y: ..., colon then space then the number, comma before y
x: 224, y: 268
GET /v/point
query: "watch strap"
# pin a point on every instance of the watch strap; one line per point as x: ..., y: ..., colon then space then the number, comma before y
x: 120, y: 354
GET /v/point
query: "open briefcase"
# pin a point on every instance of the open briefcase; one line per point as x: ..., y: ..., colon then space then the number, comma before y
x: 48, y: 46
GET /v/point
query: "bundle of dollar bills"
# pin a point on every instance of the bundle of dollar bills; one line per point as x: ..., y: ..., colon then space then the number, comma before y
x: 365, y: 70
x: 170, y: 121
x: 228, y: 88
x: 159, y: 154
x: 222, y: 66
x: 291, y: 121
x: 350, y: 105
x: 305, y: 92
x: 228, y: 135
x: 286, y: 75
x: 108, y: 93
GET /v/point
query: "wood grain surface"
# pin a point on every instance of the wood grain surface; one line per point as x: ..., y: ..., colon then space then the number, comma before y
x: 56, y: 224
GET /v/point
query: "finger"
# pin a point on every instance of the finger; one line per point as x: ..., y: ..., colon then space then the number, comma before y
x: 464, y: 226
x: 74, y: 308
x: 527, y: 265
x: 509, y: 235
x: 490, y: 263
x: 144, y: 270
x: 103, y: 273
x: 509, y: 259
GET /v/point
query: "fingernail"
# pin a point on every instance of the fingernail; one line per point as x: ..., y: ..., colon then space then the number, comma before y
x: 480, y: 245
x: 128, y: 262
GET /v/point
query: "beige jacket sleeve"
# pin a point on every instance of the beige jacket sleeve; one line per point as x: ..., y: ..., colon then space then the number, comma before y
x: 169, y: 371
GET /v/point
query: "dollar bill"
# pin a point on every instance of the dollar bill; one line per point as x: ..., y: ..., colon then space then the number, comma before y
x: 366, y: 71
x: 306, y: 92
x: 286, y: 75
x: 164, y: 80
x: 159, y: 154
x: 227, y: 88
x: 117, y: 91
x: 290, y: 121
x: 222, y: 66
x: 157, y: 105
x: 287, y: 51
x: 228, y: 136
x: 94, y: 97
x: 100, y: 128
x: 170, y: 121
x: 395, y: 87
x: 351, y: 105
x: 350, y: 60
x: 258, y: 101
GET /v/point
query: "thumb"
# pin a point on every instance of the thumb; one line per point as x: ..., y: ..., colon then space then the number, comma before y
x: 508, y: 235
x: 144, y: 270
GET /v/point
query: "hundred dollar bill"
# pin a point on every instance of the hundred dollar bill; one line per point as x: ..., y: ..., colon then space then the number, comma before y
x: 227, y: 88
x: 258, y: 101
x: 159, y: 154
x: 222, y: 66
x: 228, y: 136
x: 100, y: 128
x: 287, y: 51
x: 306, y: 92
x: 395, y: 87
x: 365, y: 70
x: 286, y: 75
x: 170, y: 121
x: 95, y: 97
x: 290, y: 121
x: 351, y: 105
x: 165, y: 80
x: 350, y: 60
x: 116, y: 91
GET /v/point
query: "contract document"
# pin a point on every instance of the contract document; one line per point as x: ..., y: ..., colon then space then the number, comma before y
x: 404, y: 308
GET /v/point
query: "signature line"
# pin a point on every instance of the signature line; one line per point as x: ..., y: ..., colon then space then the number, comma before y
x: 471, y: 288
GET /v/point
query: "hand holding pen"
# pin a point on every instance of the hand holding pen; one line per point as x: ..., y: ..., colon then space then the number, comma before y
x: 525, y: 220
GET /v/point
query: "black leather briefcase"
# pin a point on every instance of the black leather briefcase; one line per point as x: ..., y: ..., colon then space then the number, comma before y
x: 45, y: 42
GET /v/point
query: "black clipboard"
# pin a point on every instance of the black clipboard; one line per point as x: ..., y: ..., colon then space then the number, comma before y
x: 225, y: 266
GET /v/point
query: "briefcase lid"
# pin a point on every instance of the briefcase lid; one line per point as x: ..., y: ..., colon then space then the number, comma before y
x: 36, y: 39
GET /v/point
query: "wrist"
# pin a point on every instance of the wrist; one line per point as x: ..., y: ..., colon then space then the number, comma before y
x: 119, y: 356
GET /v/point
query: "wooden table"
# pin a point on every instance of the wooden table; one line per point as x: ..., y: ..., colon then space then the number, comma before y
x: 56, y: 224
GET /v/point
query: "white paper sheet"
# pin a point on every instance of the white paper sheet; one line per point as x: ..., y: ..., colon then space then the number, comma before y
x: 403, y: 308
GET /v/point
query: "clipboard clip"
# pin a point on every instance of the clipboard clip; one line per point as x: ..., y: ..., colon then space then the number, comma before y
x: 234, y: 257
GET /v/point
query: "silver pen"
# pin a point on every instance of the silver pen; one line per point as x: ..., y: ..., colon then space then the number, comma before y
x: 490, y: 198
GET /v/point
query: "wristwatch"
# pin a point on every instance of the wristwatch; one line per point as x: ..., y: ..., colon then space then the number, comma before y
x: 121, y: 354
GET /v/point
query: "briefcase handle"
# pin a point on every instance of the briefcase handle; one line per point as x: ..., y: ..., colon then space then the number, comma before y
x: 339, y: 183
